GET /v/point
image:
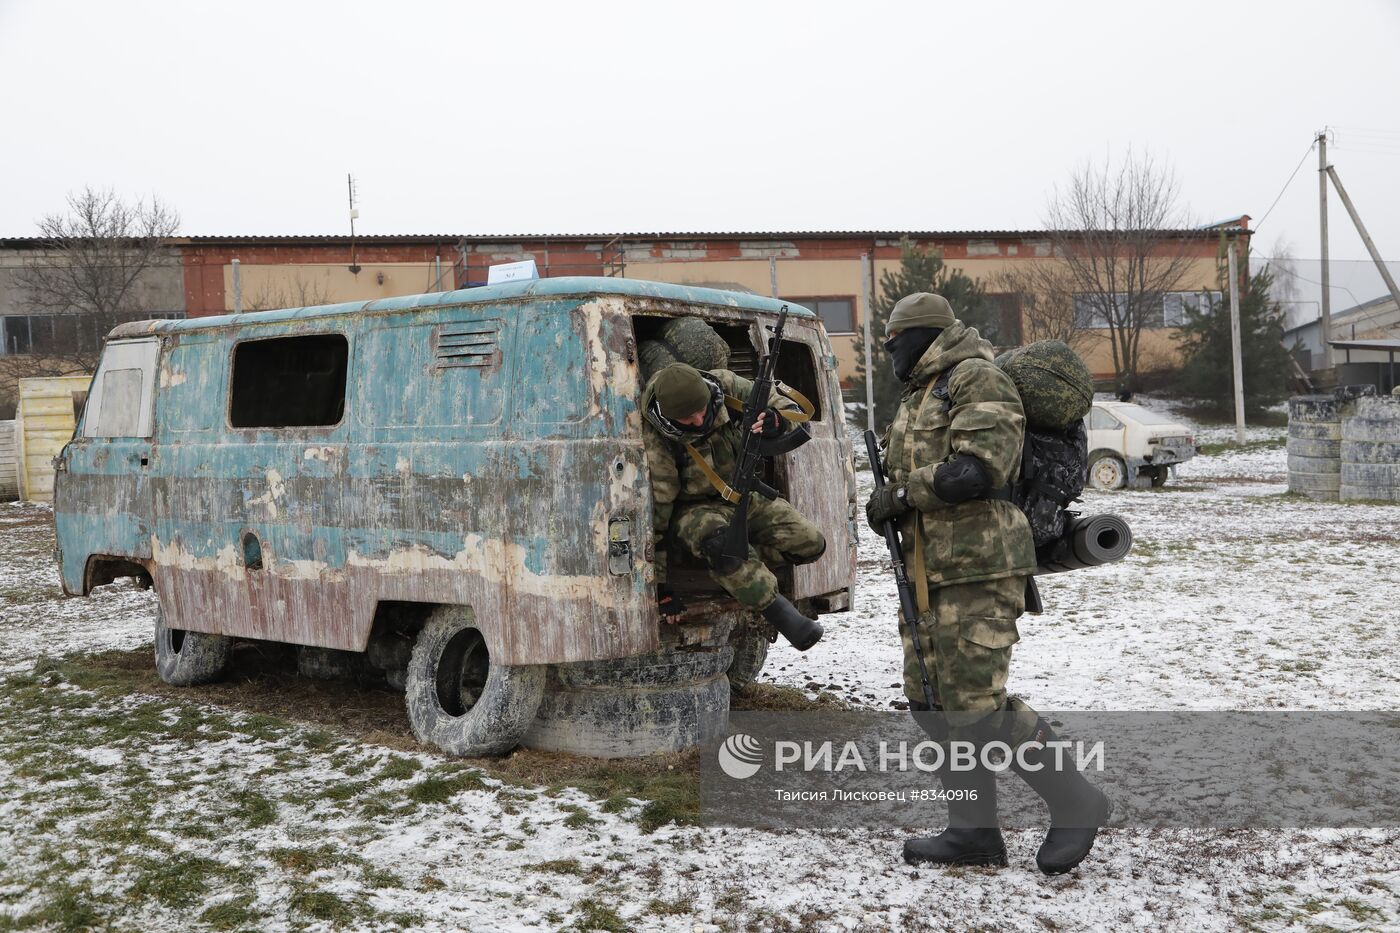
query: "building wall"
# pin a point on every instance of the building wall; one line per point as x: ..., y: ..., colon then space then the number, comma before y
x: 276, y: 274
x: 806, y: 266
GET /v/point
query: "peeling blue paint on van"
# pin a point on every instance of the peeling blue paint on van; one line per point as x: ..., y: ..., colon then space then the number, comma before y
x: 491, y: 486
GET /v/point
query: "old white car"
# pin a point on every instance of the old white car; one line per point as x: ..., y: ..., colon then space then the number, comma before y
x: 1134, y: 446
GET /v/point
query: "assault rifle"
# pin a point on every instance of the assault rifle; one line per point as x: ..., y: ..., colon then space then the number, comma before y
x: 746, y: 480
x: 908, y: 606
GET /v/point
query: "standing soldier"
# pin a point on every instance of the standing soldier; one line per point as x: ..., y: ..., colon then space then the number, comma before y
x: 952, y: 451
x: 691, y: 444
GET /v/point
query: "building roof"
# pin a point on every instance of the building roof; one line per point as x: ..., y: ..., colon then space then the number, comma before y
x: 562, y: 286
x: 1391, y: 346
x: 295, y: 239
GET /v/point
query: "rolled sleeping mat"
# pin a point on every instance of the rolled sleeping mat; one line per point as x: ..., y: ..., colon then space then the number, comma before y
x: 1088, y: 541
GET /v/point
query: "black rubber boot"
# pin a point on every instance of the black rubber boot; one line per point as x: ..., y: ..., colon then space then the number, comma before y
x: 973, y: 836
x: 799, y: 630
x: 1077, y: 808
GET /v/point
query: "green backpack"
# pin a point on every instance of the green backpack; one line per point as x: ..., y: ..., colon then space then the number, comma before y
x: 1055, y: 385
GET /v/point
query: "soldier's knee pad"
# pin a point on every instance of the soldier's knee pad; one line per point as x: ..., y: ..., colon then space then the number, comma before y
x: 806, y: 555
x: 712, y: 551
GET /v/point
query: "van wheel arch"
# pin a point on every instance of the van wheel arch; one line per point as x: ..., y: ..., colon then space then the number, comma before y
x: 102, y: 569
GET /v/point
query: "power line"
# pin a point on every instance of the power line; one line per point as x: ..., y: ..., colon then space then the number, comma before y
x: 1310, y: 148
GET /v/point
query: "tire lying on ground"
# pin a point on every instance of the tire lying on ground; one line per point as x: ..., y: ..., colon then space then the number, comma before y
x: 1297, y: 464
x: 631, y: 707
x: 457, y: 698
x: 184, y: 659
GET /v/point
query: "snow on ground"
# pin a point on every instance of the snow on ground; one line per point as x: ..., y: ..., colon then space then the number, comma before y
x: 166, y: 815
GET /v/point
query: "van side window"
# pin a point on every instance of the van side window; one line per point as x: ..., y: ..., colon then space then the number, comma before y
x: 121, y: 404
x: 798, y: 368
x: 286, y: 382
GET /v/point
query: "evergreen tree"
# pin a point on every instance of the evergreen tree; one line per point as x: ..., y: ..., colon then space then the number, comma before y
x: 920, y: 270
x: 1208, y: 373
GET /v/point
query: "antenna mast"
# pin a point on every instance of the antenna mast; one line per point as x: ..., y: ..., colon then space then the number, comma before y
x: 354, y: 214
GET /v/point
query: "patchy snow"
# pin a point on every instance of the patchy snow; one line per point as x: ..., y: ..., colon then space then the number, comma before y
x: 1236, y: 596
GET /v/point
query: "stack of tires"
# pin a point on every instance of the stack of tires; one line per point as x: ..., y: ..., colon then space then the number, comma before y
x: 1315, y: 446
x: 633, y: 707
x: 1370, y: 450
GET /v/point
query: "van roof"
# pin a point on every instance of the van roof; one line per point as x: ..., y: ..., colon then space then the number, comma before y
x: 563, y: 286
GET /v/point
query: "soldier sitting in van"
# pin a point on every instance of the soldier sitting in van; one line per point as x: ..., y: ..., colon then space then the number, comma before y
x: 692, y: 442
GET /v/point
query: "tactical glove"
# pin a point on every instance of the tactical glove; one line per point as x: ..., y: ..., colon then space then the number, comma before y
x: 886, y: 503
x: 670, y: 604
x: 773, y: 423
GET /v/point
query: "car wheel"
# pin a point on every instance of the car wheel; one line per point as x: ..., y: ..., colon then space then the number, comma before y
x: 459, y: 699
x: 1107, y: 472
x: 184, y: 659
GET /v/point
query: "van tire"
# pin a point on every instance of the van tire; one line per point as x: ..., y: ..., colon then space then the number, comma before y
x: 1107, y: 471
x: 750, y: 653
x: 503, y: 698
x: 185, y: 659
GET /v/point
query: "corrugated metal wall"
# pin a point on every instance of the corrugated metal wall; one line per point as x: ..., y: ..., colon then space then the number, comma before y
x: 44, y: 423
x: 9, y: 467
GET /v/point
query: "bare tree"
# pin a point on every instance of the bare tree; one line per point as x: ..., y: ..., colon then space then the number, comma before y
x: 1112, y: 227
x: 95, y: 270
x: 298, y: 293
x: 1046, y: 293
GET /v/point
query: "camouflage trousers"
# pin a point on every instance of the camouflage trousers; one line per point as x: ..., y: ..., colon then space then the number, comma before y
x: 967, y: 636
x: 778, y: 534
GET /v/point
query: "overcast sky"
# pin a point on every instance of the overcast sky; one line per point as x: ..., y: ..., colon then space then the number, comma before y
x: 612, y: 116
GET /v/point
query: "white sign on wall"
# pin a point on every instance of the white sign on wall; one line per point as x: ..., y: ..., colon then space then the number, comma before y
x: 512, y: 272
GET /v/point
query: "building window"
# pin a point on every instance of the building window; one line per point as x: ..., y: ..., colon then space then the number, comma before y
x: 60, y: 334
x: 1177, y: 305
x: 286, y: 382
x: 1090, y: 309
x: 838, y: 314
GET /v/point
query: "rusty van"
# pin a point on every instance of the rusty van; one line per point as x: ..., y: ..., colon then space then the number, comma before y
x: 449, y: 489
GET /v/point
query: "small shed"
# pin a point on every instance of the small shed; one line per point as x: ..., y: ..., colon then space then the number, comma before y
x: 9, y: 463
x: 48, y: 411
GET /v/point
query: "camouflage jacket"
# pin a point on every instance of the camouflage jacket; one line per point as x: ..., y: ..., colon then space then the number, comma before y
x: 674, y: 476
x: 982, y: 539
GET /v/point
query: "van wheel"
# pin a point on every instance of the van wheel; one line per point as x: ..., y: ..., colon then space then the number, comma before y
x: 750, y: 652
x: 184, y: 659
x: 1107, y: 472
x: 457, y: 699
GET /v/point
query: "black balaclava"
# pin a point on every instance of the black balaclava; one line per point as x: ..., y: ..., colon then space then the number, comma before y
x: 906, y: 347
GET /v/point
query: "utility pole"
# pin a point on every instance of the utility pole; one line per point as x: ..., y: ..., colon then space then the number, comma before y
x: 1326, y: 268
x: 867, y: 289
x: 237, y: 287
x: 1236, y: 354
x: 1365, y: 236
x: 773, y: 276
